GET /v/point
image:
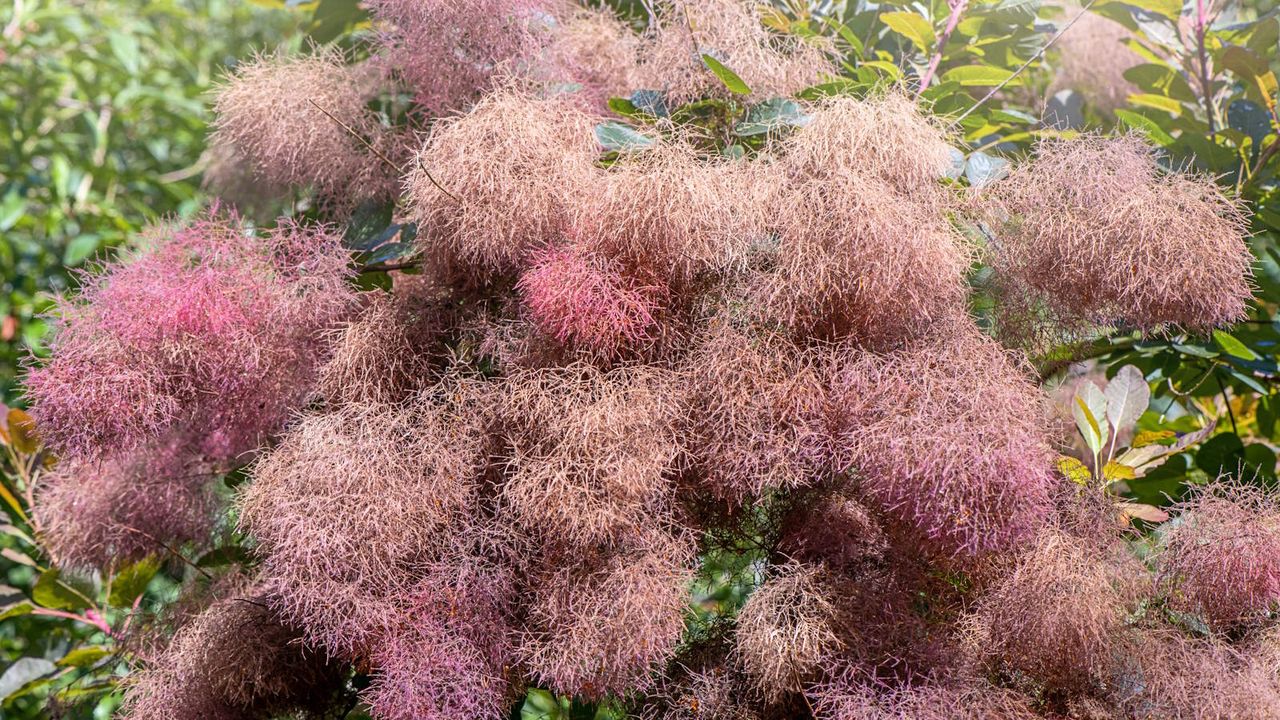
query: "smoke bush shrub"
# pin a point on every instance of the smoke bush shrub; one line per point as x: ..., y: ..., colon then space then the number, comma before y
x: 692, y: 424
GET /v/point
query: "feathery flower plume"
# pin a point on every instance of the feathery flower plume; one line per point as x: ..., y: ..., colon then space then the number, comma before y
x: 110, y: 511
x: 732, y: 32
x: 284, y: 117
x: 835, y: 530
x: 207, y: 330
x: 590, y: 451
x: 596, y: 49
x: 490, y: 187
x: 1223, y: 558
x: 785, y: 631
x: 604, y: 627
x: 449, y: 52
x: 1092, y: 60
x: 1200, y: 679
x: 750, y: 407
x: 924, y: 702
x: 885, y: 136
x: 386, y: 353
x: 857, y: 261
x: 946, y: 437
x: 449, y: 658
x: 1094, y: 233
x: 583, y: 301
x: 233, y: 661
x: 696, y: 693
x: 1058, y: 616
x: 351, y: 504
x: 665, y: 213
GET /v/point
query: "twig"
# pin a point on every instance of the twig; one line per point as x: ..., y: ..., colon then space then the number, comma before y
x: 1039, y: 54
x: 1206, y: 85
x: 358, y: 136
x: 953, y: 19
x: 388, y: 267
x: 1226, y: 401
x: 422, y: 166
x: 171, y: 551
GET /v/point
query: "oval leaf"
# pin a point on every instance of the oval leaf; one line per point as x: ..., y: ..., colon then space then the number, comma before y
x: 727, y: 76
x: 22, y: 673
x: 52, y: 593
x: 1232, y: 346
x: 617, y: 136
x: 1127, y: 398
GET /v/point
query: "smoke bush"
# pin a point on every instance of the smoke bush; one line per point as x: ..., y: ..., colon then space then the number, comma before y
x: 235, y: 660
x: 1058, y: 616
x: 449, y: 52
x: 947, y: 437
x: 784, y: 631
x: 701, y: 428
x: 751, y: 408
x: 590, y: 451
x: 731, y: 32
x: 583, y: 301
x: 1223, y: 559
x: 1086, y: 237
x: 206, y: 331
x: 602, y: 628
x: 405, y: 475
x: 1092, y: 60
x: 303, y: 122
x: 95, y: 513
x: 490, y: 186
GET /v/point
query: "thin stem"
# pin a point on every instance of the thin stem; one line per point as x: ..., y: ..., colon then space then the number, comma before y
x: 423, y: 168
x: 1039, y: 54
x: 1226, y: 401
x: 171, y: 551
x: 1206, y: 84
x: 388, y: 267
x: 357, y: 136
x: 953, y: 19
x: 95, y: 621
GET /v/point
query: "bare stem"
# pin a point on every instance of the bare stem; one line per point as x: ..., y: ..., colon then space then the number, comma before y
x: 1206, y: 83
x: 1039, y: 54
x: 358, y: 136
x: 953, y: 19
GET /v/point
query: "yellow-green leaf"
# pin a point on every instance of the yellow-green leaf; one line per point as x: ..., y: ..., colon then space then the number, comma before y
x: 1159, y: 102
x: 1115, y: 472
x: 1154, y: 437
x: 84, y: 656
x: 1232, y: 346
x: 911, y: 26
x: 22, y: 432
x: 1074, y: 470
x: 977, y: 75
x: 727, y: 76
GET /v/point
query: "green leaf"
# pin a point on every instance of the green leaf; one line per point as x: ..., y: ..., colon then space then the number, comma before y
x: 83, y: 657
x: 368, y: 221
x: 1159, y: 102
x: 771, y: 115
x: 1221, y: 454
x: 542, y: 705
x: 911, y: 26
x: 52, y: 593
x: 982, y: 169
x: 1146, y: 126
x: 727, y: 76
x: 22, y: 674
x: 1127, y: 398
x: 22, y: 607
x: 977, y: 75
x: 617, y: 136
x: 1168, y: 9
x: 132, y: 581
x: 1233, y: 346
x: 79, y: 250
